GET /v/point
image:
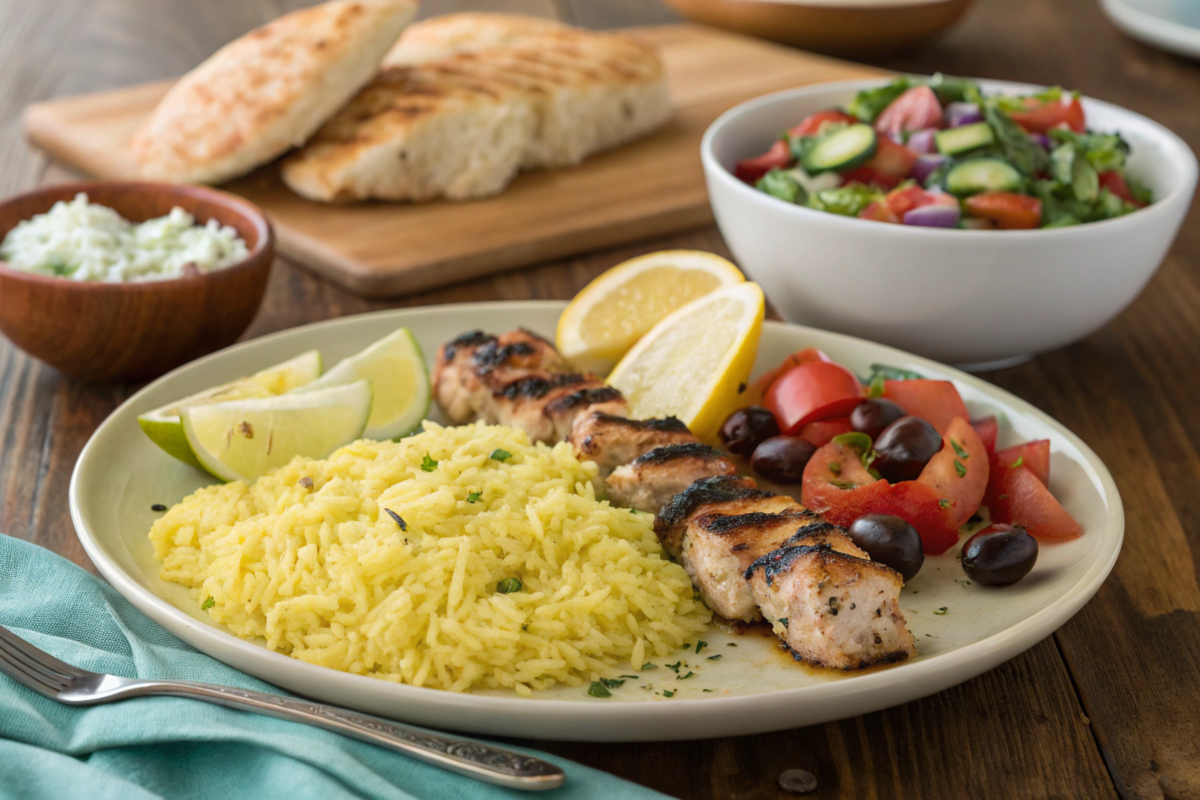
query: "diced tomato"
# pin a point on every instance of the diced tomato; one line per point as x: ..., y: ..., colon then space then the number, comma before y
x: 989, y: 430
x: 1115, y: 183
x: 1039, y: 117
x: 936, y: 402
x: 838, y: 486
x: 820, y: 433
x: 959, y: 471
x: 901, y: 201
x: 918, y: 108
x: 812, y: 391
x: 1009, y: 210
x: 1034, y: 455
x: 892, y: 159
x: 751, y: 169
x: 871, y: 177
x: 879, y: 211
x: 1024, y: 500
x: 813, y: 124
x: 759, y: 390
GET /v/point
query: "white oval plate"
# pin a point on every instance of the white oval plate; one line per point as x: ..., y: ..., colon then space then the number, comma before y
x: 755, y: 688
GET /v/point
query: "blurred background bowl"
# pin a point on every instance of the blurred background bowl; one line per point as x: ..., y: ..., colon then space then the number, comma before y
x: 977, y: 299
x: 134, y: 331
x: 866, y: 29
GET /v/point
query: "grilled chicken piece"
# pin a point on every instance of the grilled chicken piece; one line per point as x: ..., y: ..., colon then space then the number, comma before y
x: 565, y: 410
x: 472, y: 367
x: 650, y: 481
x: 730, y: 494
x: 719, y: 547
x: 831, y: 605
x: 612, y: 440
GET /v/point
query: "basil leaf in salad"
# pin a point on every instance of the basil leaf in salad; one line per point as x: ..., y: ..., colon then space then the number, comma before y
x: 1019, y: 150
x: 951, y: 90
x: 870, y: 103
x: 782, y: 184
x: 1104, y: 151
x: 846, y: 200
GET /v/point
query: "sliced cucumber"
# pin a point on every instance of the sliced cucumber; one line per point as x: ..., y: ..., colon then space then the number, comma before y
x: 841, y: 150
x: 983, y: 175
x: 954, y: 141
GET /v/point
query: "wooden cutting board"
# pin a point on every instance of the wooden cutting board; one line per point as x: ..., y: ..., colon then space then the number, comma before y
x: 648, y: 188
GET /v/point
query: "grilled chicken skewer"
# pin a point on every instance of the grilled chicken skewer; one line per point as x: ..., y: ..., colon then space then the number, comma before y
x: 746, y: 549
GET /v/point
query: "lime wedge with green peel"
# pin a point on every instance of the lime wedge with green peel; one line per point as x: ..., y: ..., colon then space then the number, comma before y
x: 396, y: 369
x: 244, y: 439
x: 163, y: 425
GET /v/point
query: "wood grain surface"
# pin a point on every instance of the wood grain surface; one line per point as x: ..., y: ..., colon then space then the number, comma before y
x: 1106, y: 707
x: 650, y: 187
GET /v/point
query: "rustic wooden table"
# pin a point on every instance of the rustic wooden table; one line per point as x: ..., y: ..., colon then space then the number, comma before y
x: 1108, y: 705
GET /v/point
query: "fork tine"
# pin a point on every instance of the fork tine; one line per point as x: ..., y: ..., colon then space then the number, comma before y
x: 40, y: 656
x: 18, y: 673
x: 31, y: 667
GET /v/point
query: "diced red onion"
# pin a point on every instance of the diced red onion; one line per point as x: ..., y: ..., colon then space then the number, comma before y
x: 933, y: 216
x: 923, y: 141
x: 925, y: 166
x: 1041, y: 139
x: 959, y: 114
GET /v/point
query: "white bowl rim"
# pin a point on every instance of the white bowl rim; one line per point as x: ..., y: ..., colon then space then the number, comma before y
x: 1160, y: 207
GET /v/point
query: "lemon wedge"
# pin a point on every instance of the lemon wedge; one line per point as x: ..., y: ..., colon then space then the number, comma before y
x: 244, y: 439
x: 621, y: 305
x: 165, y: 429
x: 693, y: 364
x: 399, y: 382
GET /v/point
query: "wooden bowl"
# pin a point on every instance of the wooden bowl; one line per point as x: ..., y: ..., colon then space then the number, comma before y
x: 868, y: 30
x: 134, y: 331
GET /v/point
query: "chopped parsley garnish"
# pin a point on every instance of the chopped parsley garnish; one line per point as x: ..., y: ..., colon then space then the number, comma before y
x: 668, y: 693
x: 1001, y: 497
x: 209, y: 603
x: 960, y: 469
x: 597, y: 689
x: 428, y: 464
x: 941, y: 611
x: 399, y: 520
x: 158, y: 507
x: 783, y: 620
x: 959, y: 451
x: 685, y: 677
x: 944, y: 503
x: 714, y: 658
x: 675, y: 667
x: 1020, y: 460
x: 648, y: 665
x: 733, y: 644
x: 473, y: 497
x: 500, y: 455
x: 631, y: 677
x: 706, y: 690
x: 612, y: 683
x: 701, y: 645
x: 847, y: 485
x: 835, y: 467
x: 509, y: 585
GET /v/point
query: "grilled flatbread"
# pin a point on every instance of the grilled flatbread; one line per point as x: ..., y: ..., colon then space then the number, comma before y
x: 268, y: 91
x: 462, y: 124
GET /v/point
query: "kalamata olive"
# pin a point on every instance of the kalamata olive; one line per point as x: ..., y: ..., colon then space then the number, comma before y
x: 891, y: 541
x: 874, y: 414
x: 999, y: 555
x: 782, y: 458
x: 747, y: 428
x: 905, y: 447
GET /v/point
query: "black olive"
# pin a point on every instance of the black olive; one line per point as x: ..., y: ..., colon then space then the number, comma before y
x: 874, y: 414
x: 905, y: 447
x: 891, y: 541
x: 747, y: 428
x: 999, y: 555
x: 782, y: 458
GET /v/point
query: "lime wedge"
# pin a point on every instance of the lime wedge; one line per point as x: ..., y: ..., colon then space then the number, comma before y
x: 243, y: 439
x: 164, y: 428
x: 396, y: 369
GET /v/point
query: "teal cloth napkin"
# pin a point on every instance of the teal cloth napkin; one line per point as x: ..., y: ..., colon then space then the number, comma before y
x: 174, y: 748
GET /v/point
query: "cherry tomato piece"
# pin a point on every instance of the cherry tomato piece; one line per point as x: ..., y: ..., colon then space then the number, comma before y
x: 1115, y: 183
x: 918, y: 108
x: 1035, y: 455
x: 1039, y: 116
x: 872, y: 177
x: 1009, y: 210
x: 959, y: 472
x: 989, y: 430
x: 814, y: 124
x: 821, y: 432
x: 812, y: 391
x: 892, y: 159
x: 751, y: 169
x: 936, y: 402
x: 1024, y: 500
x: 879, y: 211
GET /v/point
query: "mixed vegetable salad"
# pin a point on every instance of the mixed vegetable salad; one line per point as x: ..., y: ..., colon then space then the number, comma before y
x: 937, y: 152
x: 897, y: 460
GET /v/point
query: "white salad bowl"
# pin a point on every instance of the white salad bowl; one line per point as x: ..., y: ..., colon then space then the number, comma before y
x: 980, y: 299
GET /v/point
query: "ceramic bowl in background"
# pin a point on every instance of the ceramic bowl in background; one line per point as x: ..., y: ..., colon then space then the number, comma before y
x: 979, y: 299
x: 849, y: 28
x: 134, y: 331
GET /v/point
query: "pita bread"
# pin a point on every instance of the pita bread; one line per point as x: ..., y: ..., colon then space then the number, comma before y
x: 460, y: 126
x: 267, y: 92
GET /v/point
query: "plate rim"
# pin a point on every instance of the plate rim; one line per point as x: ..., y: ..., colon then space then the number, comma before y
x: 925, y: 675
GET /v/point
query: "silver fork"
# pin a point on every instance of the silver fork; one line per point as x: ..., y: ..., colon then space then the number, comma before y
x: 73, y: 686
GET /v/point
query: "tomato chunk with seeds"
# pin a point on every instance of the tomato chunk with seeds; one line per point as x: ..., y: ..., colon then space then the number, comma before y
x: 936, y: 402
x: 959, y: 471
x: 1022, y: 499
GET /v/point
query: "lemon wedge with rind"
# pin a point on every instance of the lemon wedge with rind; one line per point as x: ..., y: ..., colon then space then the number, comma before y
x: 399, y: 380
x: 693, y: 364
x: 165, y: 429
x: 616, y: 309
x: 245, y: 439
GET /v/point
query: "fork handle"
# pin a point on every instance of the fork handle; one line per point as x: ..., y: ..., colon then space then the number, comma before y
x: 475, y: 760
